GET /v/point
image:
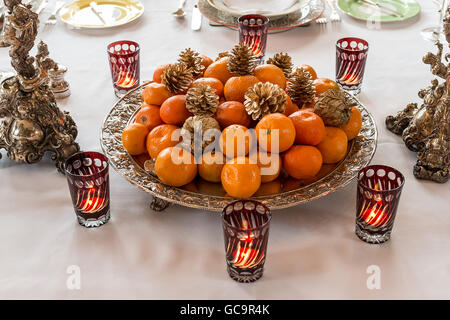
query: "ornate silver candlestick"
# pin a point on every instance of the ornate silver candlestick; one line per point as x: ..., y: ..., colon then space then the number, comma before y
x: 30, y: 121
x: 426, y: 129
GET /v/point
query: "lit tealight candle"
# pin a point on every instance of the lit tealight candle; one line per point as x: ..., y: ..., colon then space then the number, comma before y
x: 125, y: 80
x: 246, y: 257
x: 375, y: 216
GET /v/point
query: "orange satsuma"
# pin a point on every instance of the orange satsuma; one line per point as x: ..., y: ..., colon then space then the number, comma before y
x: 334, y: 145
x: 310, y: 69
x: 353, y: 126
x: 161, y: 137
x: 324, y: 84
x: 235, y: 141
x: 210, y: 166
x: 206, y: 61
x: 158, y: 72
x: 269, y: 164
x: 240, y: 178
x: 275, y: 126
x: 236, y: 87
x: 302, y: 162
x: 148, y: 115
x: 309, y: 127
x: 232, y: 112
x: 133, y: 138
x: 270, y: 73
x: 290, y: 107
x: 175, y: 166
x: 173, y: 110
x: 212, y: 82
x: 155, y: 93
x: 219, y: 70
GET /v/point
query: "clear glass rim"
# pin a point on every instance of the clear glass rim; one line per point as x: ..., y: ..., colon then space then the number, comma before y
x: 402, y: 177
x: 269, y: 215
x: 86, y: 175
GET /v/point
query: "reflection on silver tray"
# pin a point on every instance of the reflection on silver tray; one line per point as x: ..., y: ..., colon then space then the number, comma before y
x: 304, y: 16
x: 359, y: 156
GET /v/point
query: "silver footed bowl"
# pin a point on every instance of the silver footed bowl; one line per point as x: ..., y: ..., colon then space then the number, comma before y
x: 200, y: 194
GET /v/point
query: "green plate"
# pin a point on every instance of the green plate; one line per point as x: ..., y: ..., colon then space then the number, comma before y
x: 359, y: 10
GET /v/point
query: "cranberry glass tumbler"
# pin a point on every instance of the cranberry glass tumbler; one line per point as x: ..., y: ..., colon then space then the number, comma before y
x: 378, y: 195
x: 253, y: 33
x: 351, y: 55
x: 246, y: 232
x: 124, y: 63
x: 88, y: 179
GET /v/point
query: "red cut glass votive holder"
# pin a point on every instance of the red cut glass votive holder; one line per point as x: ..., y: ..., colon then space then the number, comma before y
x: 351, y: 56
x: 378, y: 196
x: 88, y: 179
x: 246, y: 232
x: 125, y: 67
x: 253, y: 30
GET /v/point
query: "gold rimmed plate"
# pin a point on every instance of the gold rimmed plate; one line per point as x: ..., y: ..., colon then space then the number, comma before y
x: 101, y: 13
x: 208, y: 196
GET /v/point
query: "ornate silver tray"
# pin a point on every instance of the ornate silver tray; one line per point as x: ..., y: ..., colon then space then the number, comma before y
x: 360, y: 153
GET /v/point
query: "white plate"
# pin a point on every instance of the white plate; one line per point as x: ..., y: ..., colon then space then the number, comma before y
x: 269, y: 8
x: 112, y: 13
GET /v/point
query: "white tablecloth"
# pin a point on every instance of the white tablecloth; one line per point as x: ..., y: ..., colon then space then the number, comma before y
x: 179, y: 254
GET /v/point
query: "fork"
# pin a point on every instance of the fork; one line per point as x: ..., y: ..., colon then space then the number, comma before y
x: 52, y: 20
x: 322, y: 19
x: 334, y: 14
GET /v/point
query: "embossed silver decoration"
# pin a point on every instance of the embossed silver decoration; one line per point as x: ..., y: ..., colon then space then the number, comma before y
x: 359, y: 156
x: 284, y: 22
x: 30, y: 121
x: 60, y: 87
x: 426, y: 129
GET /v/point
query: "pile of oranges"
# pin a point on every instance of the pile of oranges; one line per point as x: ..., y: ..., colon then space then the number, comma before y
x: 241, y: 161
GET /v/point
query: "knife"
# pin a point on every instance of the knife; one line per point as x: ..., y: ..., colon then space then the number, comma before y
x: 196, y: 22
x: 94, y: 8
x: 381, y: 7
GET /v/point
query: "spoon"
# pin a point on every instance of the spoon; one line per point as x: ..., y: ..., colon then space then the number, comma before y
x: 180, y: 12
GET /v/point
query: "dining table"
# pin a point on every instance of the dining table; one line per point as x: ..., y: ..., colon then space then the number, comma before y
x: 178, y: 253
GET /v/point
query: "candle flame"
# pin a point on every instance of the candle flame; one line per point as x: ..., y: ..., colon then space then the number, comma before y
x: 246, y: 257
x: 91, y: 201
x: 375, y: 216
x: 253, y: 43
x: 125, y: 80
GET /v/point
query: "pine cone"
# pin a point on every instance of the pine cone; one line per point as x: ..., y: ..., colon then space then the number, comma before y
x: 197, y: 126
x: 264, y: 98
x: 177, y: 78
x: 334, y: 107
x: 300, y: 87
x: 202, y: 100
x: 193, y: 61
x: 282, y: 61
x: 242, y: 60
x: 222, y: 55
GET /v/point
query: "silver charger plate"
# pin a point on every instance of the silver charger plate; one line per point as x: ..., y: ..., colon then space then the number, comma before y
x: 305, y: 15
